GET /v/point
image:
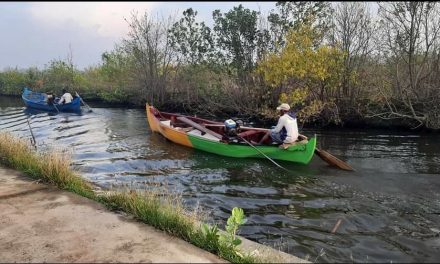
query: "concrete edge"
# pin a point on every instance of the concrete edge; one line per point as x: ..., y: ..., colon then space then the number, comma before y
x: 268, y: 254
x: 265, y: 253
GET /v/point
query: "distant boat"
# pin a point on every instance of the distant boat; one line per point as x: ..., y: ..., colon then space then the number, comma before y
x: 210, y: 136
x: 38, y: 101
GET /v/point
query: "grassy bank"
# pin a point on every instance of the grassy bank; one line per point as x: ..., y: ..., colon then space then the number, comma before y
x: 164, y: 211
x: 52, y: 167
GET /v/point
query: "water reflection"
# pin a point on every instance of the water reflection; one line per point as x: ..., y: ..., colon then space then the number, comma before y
x: 388, y: 207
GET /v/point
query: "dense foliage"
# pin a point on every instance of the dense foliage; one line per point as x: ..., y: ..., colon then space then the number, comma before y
x: 335, y: 64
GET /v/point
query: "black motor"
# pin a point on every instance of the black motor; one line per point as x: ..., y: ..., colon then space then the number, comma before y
x: 232, y: 128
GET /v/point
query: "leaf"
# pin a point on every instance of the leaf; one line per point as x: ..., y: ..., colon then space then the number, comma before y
x: 238, y: 214
x: 205, y: 228
x: 239, y: 254
x: 236, y: 242
x: 223, y: 239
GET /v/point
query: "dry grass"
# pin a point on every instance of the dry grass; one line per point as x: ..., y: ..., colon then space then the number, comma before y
x: 53, y: 167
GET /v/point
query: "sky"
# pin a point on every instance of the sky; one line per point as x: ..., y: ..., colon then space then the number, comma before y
x: 33, y: 33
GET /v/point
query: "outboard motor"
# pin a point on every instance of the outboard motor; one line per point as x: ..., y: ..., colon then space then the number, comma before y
x: 231, y: 128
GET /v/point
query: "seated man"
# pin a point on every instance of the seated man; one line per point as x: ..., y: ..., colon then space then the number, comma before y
x: 286, y: 131
x: 65, y: 98
x: 50, y: 98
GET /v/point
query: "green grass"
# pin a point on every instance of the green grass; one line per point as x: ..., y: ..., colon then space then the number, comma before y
x: 161, y: 209
x: 166, y: 214
x: 164, y: 210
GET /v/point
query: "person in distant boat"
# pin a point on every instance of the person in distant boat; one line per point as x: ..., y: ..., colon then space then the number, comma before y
x: 286, y: 131
x: 65, y: 98
x: 50, y: 98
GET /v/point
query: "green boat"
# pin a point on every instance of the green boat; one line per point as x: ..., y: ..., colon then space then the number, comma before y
x: 211, y: 136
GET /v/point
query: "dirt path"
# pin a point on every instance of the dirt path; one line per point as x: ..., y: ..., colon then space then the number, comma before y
x: 39, y: 223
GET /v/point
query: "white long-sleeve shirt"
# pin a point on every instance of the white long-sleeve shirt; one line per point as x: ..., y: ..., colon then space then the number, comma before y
x: 291, y: 127
x: 66, y: 98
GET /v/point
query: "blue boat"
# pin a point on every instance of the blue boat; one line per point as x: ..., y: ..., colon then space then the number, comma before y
x: 38, y: 101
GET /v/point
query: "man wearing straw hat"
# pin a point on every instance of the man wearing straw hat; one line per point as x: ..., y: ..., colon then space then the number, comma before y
x: 286, y: 131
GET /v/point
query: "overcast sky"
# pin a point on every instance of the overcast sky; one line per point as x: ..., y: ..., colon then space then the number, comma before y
x: 33, y: 33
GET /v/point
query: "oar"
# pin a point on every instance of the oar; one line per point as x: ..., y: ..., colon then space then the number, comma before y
x: 55, y: 107
x: 324, y: 155
x: 332, y: 160
x: 199, y: 127
x: 53, y: 103
x: 34, y: 142
x: 261, y: 152
x: 82, y: 101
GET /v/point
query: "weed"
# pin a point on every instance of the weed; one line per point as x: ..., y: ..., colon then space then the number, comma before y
x: 234, y: 221
x: 211, y: 235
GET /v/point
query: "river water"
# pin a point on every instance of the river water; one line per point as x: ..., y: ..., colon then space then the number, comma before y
x: 389, y: 207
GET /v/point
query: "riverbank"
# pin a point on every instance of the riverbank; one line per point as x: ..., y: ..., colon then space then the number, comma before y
x: 40, y: 223
x: 164, y: 211
x: 348, y: 122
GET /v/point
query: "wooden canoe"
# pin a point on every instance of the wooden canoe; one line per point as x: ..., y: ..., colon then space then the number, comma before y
x: 208, y: 136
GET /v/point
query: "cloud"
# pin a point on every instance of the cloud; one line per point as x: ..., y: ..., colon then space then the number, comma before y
x: 106, y: 18
x: 33, y: 33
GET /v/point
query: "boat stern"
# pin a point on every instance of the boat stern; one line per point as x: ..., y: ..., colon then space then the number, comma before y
x: 310, y: 150
x: 301, y: 153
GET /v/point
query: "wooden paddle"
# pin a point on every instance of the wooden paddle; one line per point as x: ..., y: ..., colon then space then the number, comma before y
x: 84, y: 103
x: 199, y: 127
x: 332, y: 160
x: 56, y: 107
x: 33, y: 141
